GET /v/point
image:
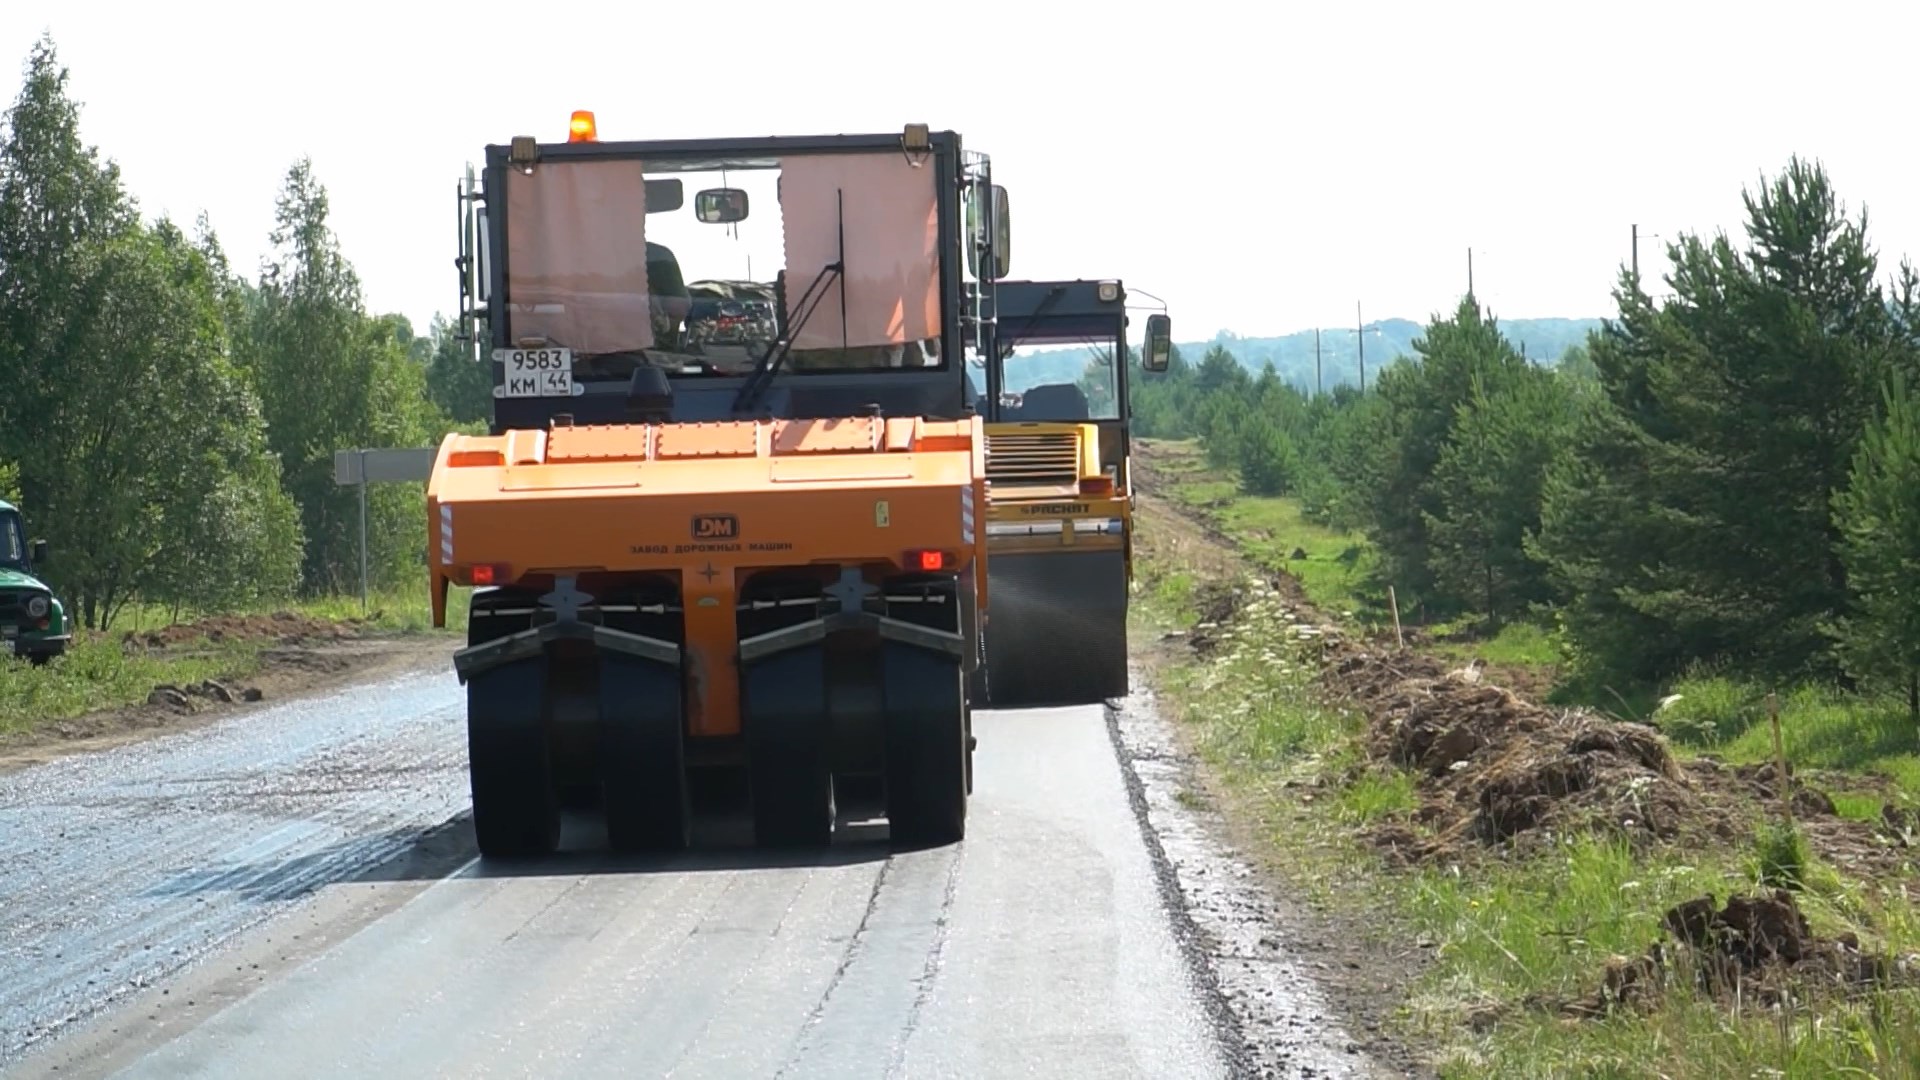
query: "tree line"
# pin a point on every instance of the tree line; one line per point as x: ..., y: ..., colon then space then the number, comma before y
x: 1726, y: 478
x: 168, y: 423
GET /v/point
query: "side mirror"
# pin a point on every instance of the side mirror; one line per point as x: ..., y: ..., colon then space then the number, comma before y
x: 1158, y: 353
x: 39, y: 551
x: 720, y: 206
x: 1002, y: 234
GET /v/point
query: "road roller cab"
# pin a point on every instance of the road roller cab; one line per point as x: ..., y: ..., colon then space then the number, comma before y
x: 748, y: 548
x: 1060, y: 509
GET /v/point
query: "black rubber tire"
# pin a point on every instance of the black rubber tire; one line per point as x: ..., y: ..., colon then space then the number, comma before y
x: 970, y: 748
x: 928, y: 762
x: 643, y: 757
x: 516, y: 813
x: 783, y: 711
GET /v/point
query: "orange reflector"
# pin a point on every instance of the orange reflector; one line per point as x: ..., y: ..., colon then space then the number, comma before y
x: 581, y: 128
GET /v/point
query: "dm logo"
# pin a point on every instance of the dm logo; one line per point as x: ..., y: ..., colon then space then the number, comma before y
x: 715, y: 527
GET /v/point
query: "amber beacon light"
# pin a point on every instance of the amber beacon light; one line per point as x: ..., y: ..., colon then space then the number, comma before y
x: 580, y: 128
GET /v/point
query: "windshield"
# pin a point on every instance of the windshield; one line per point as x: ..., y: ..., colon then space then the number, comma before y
x: 13, y: 546
x: 699, y: 267
x: 1069, y: 377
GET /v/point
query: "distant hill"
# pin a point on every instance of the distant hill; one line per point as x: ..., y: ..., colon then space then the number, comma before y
x: 1542, y: 340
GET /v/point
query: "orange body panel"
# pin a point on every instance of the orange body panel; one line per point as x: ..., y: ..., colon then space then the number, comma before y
x: 709, y: 503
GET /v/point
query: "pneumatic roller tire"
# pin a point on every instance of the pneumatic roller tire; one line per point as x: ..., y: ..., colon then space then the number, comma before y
x: 928, y: 761
x: 643, y: 757
x: 783, y: 709
x: 516, y: 813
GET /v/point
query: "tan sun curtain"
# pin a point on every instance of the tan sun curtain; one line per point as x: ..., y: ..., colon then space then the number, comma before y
x: 892, y: 278
x: 577, y: 255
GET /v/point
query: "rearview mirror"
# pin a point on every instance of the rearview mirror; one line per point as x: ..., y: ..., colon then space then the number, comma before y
x: 39, y: 551
x: 720, y: 206
x: 1158, y: 353
x: 1002, y: 234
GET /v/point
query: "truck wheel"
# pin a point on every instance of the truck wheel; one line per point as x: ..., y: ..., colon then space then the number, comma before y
x: 928, y: 756
x: 516, y: 813
x: 783, y: 709
x: 643, y: 757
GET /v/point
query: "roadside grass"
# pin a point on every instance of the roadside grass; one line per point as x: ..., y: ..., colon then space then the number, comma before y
x: 1509, y: 935
x: 1822, y: 728
x: 404, y: 609
x: 97, y: 672
x: 103, y: 670
x: 1509, y: 931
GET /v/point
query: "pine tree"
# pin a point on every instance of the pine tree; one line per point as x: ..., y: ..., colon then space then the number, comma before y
x: 1878, y: 515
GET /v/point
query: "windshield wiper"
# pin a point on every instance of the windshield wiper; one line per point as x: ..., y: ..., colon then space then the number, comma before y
x: 768, y: 366
x: 761, y: 377
x: 1053, y: 296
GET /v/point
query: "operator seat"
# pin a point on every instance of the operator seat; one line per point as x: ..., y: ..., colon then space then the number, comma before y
x: 1055, y: 401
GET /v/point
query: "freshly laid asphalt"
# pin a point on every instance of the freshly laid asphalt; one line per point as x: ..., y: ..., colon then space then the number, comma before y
x: 293, y: 892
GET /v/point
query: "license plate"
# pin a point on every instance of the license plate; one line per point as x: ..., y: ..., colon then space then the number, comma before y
x: 9, y: 632
x: 536, y: 373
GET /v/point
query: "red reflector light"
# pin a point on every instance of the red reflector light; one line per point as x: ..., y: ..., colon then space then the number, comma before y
x: 927, y: 559
x: 486, y: 574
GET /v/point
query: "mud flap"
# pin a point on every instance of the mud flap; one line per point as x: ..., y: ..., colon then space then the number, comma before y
x: 783, y: 710
x: 1056, y: 629
x: 516, y: 812
x: 927, y: 755
x: 643, y: 757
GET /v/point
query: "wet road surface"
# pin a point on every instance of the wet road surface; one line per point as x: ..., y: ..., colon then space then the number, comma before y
x: 245, y: 876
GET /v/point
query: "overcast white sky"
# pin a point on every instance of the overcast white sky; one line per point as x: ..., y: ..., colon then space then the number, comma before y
x: 1371, y: 143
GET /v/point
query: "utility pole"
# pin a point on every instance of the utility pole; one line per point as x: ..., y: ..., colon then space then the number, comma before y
x: 1318, y: 387
x: 1360, y: 334
x: 1636, y: 254
x: 1469, y: 271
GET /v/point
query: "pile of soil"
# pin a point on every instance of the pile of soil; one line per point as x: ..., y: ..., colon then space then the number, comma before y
x: 283, y: 627
x: 1755, y: 950
x: 188, y: 699
x: 1216, y: 604
x: 1496, y: 770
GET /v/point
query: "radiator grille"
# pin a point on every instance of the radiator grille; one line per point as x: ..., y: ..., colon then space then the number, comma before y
x: 1022, y: 459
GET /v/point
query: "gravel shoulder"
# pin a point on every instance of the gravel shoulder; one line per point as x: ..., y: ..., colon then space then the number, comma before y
x: 296, y: 669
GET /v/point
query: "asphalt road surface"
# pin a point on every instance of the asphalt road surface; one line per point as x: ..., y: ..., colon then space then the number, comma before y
x: 293, y: 893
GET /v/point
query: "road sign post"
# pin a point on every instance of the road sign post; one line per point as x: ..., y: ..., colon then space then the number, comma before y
x: 362, y: 467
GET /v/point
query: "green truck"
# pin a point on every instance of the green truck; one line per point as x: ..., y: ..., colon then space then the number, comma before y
x: 33, y: 622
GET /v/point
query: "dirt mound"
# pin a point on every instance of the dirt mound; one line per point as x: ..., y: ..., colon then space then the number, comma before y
x: 1495, y: 767
x: 1216, y: 605
x: 1756, y: 950
x: 188, y: 699
x: 284, y: 627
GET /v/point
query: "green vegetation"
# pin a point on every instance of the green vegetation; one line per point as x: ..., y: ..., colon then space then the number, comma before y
x: 1706, y: 512
x: 168, y: 425
x: 1729, y: 481
x: 1514, y: 941
x: 1543, y: 341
